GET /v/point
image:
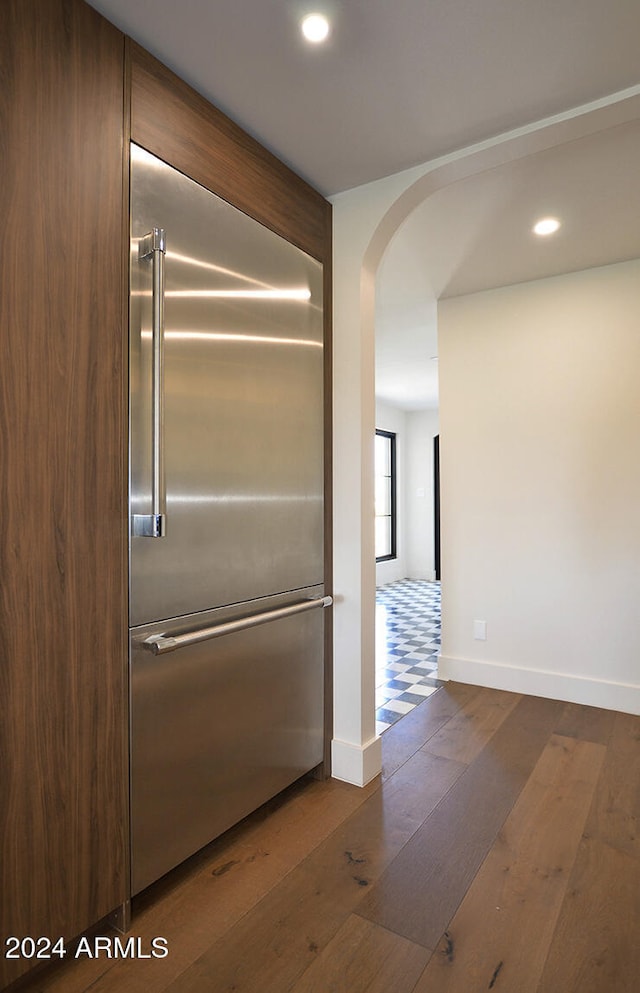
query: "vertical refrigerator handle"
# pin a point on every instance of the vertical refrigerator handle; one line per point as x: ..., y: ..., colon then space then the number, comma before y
x: 153, y: 525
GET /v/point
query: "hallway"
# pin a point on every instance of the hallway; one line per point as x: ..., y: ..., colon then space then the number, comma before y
x: 407, y: 647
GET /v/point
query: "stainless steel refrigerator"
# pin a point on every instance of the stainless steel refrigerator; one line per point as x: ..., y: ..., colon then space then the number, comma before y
x: 226, y: 548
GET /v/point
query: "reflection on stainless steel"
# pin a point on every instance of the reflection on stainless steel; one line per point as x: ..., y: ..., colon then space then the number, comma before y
x: 283, y: 294
x: 243, y: 412
x: 201, y: 264
x: 286, y: 293
x: 247, y: 498
x: 223, y: 270
x: 248, y: 339
x: 220, y: 725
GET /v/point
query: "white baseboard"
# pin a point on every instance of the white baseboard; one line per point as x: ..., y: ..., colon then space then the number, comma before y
x: 545, y: 683
x: 356, y: 764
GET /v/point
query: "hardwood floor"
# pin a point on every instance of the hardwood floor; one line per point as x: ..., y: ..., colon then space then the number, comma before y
x: 498, y: 851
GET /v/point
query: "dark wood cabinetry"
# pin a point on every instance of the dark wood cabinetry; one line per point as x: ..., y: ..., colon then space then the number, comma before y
x: 63, y: 540
x: 174, y: 122
x: 70, y: 85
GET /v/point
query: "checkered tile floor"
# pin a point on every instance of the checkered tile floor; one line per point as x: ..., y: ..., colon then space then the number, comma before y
x: 407, y: 647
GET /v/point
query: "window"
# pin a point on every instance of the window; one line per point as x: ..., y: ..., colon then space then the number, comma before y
x: 385, y: 479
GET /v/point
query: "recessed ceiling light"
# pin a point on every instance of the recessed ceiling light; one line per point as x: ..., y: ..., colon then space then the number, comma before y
x: 315, y: 28
x: 546, y: 225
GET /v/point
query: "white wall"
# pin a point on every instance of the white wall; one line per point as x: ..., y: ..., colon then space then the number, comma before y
x: 421, y: 429
x: 364, y: 221
x: 389, y: 418
x: 540, y: 484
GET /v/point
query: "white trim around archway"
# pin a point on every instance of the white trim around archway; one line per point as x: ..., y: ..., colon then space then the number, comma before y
x: 365, y: 221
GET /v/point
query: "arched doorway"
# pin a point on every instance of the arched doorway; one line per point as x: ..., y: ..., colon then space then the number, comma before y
x: 365, y: 222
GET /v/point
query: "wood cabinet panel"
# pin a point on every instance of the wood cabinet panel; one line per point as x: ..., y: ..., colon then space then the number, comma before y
x: 178, y: 125
x: 63, y: 642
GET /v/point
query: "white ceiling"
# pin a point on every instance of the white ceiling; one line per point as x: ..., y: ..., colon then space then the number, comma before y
x: 476, y: 235
x: 401, y: 83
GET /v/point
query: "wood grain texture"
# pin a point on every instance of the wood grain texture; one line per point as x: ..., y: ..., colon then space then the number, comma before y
x: 615, y: 814
x: 589, y: 723
x: 200, y: 901
x: 364, y: 958
x: 500, y: 936
x: 298, y: 918
x: 419, y: 894
x: 404, y: 738
x: 275, y: 904
x: 172, y: 121
x: 466, y: 734
x: 595, y: 947
x: 63, y: 638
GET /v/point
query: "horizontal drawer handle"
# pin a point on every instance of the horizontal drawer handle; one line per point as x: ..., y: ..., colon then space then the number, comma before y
x: 160, y: 644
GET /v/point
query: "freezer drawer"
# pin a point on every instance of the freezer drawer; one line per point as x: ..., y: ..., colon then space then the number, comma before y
x: 219, y: 727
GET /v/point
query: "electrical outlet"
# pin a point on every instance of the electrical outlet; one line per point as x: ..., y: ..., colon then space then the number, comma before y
x: 480, y: 630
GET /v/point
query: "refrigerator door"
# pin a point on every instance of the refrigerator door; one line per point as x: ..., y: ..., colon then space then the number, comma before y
x: 220, y: 726
x: 243, y: 403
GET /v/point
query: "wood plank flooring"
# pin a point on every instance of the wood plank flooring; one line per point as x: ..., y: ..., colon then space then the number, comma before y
x: 498, y: 851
